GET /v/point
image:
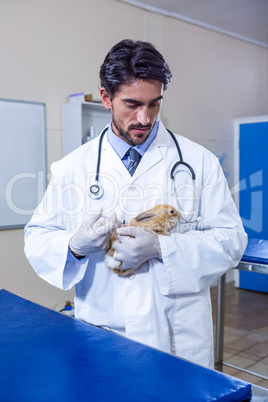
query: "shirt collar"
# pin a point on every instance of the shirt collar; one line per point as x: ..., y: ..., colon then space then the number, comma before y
x: 121, y: 147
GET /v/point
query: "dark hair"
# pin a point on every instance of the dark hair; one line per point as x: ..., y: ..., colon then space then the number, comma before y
x: 129, y: 60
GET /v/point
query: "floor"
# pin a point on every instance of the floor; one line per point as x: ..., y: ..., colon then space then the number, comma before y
x: 246, y: 333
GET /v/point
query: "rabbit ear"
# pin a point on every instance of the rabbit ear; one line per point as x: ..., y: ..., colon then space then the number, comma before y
x: 145, y: 216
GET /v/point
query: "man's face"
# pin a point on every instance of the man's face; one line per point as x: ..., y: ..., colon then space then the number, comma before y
x: 134, y: 108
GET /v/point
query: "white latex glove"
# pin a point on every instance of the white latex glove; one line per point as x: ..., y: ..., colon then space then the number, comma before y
x: 93, y: 235
x: 135, y: 245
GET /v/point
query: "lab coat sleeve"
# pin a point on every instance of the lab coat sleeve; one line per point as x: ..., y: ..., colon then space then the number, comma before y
x: 46, y: 241
x: 194, y: 260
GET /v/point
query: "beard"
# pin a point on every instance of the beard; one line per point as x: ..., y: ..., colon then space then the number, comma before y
x: 126, y: 135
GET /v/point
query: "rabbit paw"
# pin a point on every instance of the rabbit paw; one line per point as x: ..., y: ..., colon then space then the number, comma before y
x: 111, y: 263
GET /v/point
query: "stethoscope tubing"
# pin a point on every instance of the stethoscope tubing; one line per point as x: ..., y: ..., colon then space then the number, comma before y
x: 96, y: 191
x: 99, y: 155
x: 181, y: 161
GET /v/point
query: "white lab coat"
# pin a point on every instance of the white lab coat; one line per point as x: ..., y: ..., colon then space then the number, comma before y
x: 166, y: 304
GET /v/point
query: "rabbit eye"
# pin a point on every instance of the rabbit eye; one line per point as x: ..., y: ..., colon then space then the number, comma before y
x: 171, y: 211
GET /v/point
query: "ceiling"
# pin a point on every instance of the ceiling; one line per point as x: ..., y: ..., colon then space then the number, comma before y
x: 244, y: 19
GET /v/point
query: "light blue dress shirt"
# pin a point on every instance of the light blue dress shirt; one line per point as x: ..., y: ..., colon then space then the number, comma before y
x: 121, y: 147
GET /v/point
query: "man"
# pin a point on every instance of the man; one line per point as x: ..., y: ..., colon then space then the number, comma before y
x: 166, y: 304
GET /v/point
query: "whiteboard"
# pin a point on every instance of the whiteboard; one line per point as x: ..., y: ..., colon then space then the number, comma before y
x: 22, y: 160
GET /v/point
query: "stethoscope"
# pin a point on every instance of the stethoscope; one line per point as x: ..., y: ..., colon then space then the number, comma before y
x: 96, y: 191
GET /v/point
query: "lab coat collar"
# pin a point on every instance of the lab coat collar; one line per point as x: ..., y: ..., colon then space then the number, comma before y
x: 152, y: 156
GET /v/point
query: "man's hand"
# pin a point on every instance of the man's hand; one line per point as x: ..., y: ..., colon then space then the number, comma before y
x: 93, y: 235
x: 135, y: 245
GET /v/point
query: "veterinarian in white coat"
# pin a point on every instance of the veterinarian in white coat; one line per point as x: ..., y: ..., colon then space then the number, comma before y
x: 166, y: 303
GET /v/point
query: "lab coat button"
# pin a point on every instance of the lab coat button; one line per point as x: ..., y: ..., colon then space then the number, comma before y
x: 132, y: 276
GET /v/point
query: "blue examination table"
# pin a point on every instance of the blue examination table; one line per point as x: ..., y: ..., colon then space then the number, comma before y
x: 48, y: 356
x: 255, y: 258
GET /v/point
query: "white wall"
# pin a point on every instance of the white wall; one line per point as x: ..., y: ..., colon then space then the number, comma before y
x: 216, y: 78
x: 51, y: 48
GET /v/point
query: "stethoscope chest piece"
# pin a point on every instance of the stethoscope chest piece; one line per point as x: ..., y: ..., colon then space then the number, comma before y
x: 95, y: 191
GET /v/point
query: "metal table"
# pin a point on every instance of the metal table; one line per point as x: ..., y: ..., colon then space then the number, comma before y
x: 255, y: 259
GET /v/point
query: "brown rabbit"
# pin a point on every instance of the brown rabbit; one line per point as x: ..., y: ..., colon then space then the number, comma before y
x: 160, y: 219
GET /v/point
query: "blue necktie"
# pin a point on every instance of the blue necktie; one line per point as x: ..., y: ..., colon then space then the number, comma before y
x: 135, y: 158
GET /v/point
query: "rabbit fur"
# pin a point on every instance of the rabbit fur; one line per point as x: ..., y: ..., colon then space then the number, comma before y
x: 160, y: 219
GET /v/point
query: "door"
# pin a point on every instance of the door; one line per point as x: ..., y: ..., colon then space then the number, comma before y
x: 252, y: 142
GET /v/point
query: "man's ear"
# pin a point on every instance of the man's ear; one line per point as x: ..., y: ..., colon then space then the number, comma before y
x: 105, y: 97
